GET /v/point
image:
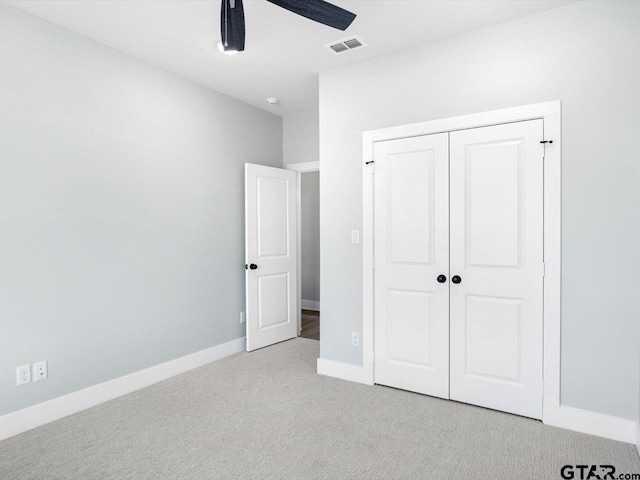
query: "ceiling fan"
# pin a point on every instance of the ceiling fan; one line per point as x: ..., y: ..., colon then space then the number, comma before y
x: 232, y: 18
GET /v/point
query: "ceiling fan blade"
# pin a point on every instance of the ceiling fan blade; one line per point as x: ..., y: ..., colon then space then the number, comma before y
x: 232, y: 25
x: 319, y: 11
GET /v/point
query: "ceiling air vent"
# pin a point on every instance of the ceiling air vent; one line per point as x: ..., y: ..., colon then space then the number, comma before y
x: 345, y: 45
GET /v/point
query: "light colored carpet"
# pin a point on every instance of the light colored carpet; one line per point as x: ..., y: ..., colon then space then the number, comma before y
x: 267, y: 415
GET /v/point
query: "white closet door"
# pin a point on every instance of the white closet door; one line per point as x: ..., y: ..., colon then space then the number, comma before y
x: 497, y: 251
x: 411, y: 251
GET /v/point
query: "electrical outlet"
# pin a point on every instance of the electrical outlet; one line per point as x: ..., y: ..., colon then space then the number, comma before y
x: 23, y: 374
x: 40, y: 371
x: 355, y: 339
x: 243, y: 317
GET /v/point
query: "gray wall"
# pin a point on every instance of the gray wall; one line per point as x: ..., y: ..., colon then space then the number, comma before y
x: 121, y: 205
x: 585, y: 54
x: 300, y: 138
x: 310, y: 219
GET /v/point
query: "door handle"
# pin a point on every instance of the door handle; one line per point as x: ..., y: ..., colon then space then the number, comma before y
x: 441, y: 279
x: 456, y: 279
x: 253, y: 266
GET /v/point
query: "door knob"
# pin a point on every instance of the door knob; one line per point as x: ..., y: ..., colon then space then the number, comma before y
x: 456, y: 279
x: 441, y: 279
x: 253, y: 266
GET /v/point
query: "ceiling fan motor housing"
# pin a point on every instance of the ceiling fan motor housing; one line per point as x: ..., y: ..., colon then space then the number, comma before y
x: 232, y: 25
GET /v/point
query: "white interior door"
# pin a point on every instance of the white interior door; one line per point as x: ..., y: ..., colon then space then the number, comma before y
x: 270, y: 255
x: 497, y: 253
x: 411, y: 251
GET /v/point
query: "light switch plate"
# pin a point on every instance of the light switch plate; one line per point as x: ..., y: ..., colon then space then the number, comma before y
x: 355, y: 236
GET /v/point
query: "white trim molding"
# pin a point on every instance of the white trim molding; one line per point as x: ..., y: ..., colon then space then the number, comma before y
x: 37, y: 415
x: 578, y: 420
x: 304, y: 167
x: 310, y: 305
x: 346, y: 371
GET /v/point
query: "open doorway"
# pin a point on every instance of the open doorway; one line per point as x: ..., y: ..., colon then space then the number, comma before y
x: 275, y: 219
x: 310, y: 254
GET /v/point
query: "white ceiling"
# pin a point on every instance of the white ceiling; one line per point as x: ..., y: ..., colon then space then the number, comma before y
x: 284, y: 52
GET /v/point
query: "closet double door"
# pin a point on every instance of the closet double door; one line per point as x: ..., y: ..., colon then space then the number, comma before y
x: 459, y: 265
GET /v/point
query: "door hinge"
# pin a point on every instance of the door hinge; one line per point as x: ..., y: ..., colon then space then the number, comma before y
x: 543, y: 269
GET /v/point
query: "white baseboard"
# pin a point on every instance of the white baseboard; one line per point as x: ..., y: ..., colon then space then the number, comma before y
x: 345, y: 371
x: 31, y: 417
x: 310, y: 305
x: 584, y: 421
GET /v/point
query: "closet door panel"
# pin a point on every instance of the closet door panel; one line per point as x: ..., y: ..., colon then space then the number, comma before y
x: 411, y: 250
x: 496, y: 207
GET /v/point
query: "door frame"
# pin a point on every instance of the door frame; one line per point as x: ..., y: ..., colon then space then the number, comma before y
x: 550, y: 113
x: 300, y: 168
